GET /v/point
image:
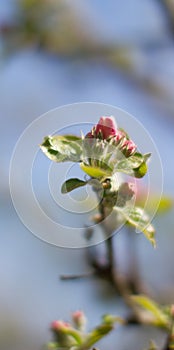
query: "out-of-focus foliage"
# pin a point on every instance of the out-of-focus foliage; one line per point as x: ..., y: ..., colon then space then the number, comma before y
x: 165, y: 202
x: 71, y: 336
x: 54, y: 25
x: 61, y: 27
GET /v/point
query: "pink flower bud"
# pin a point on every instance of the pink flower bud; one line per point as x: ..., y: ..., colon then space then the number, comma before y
x: 89, y: 135
x: 79, y: 319
x: 106, y: 127
x: 63, y: 334
x: 128, y: 148
x: 119, y: 136
x: 59, y: 325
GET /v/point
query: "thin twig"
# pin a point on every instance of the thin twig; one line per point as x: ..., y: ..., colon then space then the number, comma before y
x: 78, y: 276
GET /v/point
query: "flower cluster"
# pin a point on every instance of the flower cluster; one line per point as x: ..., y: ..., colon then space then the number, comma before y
x: 67, y: 334
x: 106, y: 129
x: 102, y: 154
x: 73, y: 336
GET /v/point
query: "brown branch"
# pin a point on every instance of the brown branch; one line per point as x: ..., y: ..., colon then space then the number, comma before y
x: 168, y: 10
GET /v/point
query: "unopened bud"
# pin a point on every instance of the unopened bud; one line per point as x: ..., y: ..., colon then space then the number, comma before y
x: 104, y: 129
x: 79, y: 319
x: 59, y: 325
x: 89, y: 135
x: 119, y: 136
x: 128, y: 148
x: 62, y: 333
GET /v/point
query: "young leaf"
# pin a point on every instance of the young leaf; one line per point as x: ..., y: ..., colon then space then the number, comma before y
x: 71, y: 184
x: 95, y: 171
x: 141, y: 170
x: 134, y: 165
x: 62, y: 148
x: 137, y: 218
x: 159, y: 317
x: 99, y: 332
x: 72, y: 138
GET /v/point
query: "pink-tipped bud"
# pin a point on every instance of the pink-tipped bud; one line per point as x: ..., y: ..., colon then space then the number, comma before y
x: 128, y: 148
x: 79, y: 319
x: 59, y: 326
x: 106, y: 127
x: 118, y: 137
x: 89, y: 135
x: 63, y: 334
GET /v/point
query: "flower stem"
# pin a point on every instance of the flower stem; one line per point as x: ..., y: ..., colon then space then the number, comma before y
x: 110, y: 252
x: 121, y: 285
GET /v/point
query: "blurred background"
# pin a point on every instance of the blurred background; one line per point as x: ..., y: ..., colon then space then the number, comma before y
x: 60, y: 52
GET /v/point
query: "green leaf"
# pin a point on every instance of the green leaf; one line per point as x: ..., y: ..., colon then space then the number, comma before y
x: 62, y: 148
x: 71, y: 184
x: 72, y: 138
x: 137, y: 218
x: 107, y: 318
x: 141, y: 170
x: 134, y: 165
x: 159, y: 317
x: 95, y: 171
x: 100, y: 331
